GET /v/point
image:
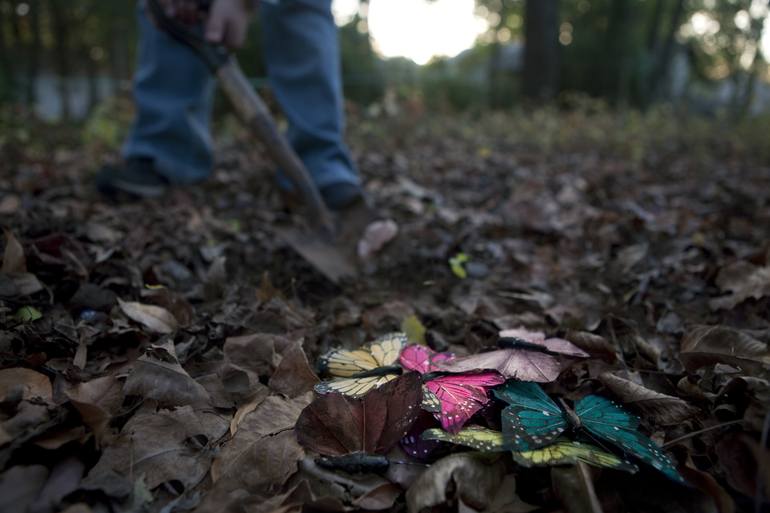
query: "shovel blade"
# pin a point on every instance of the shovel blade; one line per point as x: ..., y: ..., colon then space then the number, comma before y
x: 333, y: 260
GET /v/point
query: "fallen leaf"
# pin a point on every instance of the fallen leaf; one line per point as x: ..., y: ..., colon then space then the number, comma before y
x: 593, y: 344
x: 13, y: 256
x: 743, y: 281
x: 27, y: 314
x: 293, y: 375
x: 169, y: 445
x: 457, y: 265
x: 263, y: 453
x: 575, y: 487
x: 334, y: 424
x: 20, y: 486
x: 414, y: 330
x: 707, y: 345
x: 64, y: 479
x: 32, y: 384
x: 709, y: 486
x: 97, y: 401
x: 158, y: 375
x: 247, y: 408
x: 375, y: 237
x: 154, y: 318
x: 661, y: 408
x: 470, y: 477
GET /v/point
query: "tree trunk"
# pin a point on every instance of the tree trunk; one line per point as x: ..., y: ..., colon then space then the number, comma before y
x: 61, y: 37
x: 541, y: 49
x: 616, y: 72
x: 33, y: 58
x: 6, y: 63
x: 663, y: 61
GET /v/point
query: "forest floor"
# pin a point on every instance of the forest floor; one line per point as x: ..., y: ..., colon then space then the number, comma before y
x: 155, y: 356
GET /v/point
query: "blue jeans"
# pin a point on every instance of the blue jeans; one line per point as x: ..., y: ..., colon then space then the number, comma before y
x: 173, y: 94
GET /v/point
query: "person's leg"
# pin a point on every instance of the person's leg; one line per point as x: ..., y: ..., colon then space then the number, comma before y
x: 303, y: 62
x: 173, y: 94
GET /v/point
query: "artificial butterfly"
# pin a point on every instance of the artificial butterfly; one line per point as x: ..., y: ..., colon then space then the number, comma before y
x: 335, y: 424
x: 533, y: 420
x: 560, y: 453
x: 362, y: 370
x: 526, y: 355
x: 459, y: 396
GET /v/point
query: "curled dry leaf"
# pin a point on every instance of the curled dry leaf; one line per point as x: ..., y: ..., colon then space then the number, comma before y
x: 743, y: 281
x: 376, y: 235
x: 163, y: 446
x: 707, y: 345
x: 661, y: 408
x: 154, y: 318
x: 158, y: 375
x: 20, y: 383
x: 593, y: 344
x: 469, y: 477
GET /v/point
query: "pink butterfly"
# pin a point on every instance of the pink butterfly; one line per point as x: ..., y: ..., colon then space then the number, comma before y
x: 460, y: 395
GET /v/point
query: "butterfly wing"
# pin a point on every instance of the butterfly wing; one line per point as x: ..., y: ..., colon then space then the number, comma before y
x: 343, y: 363
x: 422, y: 359
x: 461, y: 396
x: 382, y: 352
x: 606, y: 420
x: 476, y: 437
x: 567, y: 452
x: 353, y: 387
x: 386, y: 349
x: 531, y: 419
x: 429, y: 401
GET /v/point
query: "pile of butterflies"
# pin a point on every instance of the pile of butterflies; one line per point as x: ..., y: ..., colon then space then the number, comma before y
x: 389, y: 392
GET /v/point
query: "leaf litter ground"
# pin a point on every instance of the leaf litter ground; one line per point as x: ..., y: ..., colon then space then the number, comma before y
x: 156, y: 356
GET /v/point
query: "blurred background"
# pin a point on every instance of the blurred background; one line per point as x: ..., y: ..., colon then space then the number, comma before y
x: 71, y: 61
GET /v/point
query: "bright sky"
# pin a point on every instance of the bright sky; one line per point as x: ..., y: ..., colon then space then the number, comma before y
x: 418, y: 29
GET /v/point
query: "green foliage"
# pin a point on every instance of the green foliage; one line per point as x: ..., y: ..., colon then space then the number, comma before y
x: 107, y: 126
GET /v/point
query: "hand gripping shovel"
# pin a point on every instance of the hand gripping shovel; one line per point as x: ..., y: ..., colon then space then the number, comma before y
x: 328, y: 245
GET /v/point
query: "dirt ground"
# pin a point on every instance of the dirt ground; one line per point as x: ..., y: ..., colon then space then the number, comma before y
x: 156, y: 355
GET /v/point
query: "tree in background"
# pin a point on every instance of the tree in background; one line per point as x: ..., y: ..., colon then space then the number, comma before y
x: 541, y: 49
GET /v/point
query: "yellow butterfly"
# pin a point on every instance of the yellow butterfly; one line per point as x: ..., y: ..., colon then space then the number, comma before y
x: 358, y: 371
x: 562, y: 452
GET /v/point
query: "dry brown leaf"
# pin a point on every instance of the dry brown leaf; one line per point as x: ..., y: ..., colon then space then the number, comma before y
x: 164, y: 446
x: 661, y: 408
x: 469, y: 477
x: 154, y: 318
x: 293, y: 375
x: 596, y: 345
x: 158, y: 375
x: 264, y: 452
x: 247, y: 408
x: 376, y: 236
x: 28, y: 383
x: 13, y: 256
x: 97, y: 401
x: 707, y: 345
x: 743, y: 281
x: 246, y: 359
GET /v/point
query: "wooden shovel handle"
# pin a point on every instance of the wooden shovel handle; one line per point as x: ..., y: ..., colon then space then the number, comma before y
x: 254, y: 113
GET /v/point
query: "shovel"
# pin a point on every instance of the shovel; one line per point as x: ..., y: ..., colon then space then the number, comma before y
x: 326, y: 242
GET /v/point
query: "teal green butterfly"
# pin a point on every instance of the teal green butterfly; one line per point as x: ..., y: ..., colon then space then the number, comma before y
x: 532, y: 420
x: 560, y: 453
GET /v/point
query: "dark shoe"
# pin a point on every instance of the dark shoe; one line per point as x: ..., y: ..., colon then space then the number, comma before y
x: 339, y: 196
x: 136, y: 178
